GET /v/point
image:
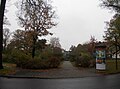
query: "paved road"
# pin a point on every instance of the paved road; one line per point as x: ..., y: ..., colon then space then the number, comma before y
x: 102, y: 82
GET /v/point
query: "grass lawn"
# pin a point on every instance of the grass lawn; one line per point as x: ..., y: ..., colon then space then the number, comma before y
x: 8, y: 69
x: 111, y: 66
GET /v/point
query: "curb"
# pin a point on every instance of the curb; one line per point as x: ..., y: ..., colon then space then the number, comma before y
x: 35, y: 77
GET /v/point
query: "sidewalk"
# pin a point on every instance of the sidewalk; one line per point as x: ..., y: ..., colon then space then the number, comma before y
x: 65, y: 71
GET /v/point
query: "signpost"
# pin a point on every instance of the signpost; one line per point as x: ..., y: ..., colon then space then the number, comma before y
x: 100, y: 56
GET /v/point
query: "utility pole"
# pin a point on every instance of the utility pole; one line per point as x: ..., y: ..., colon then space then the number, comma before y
x: 2, y: 8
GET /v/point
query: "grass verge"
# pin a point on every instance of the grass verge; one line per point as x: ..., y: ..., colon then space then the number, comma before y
x: 111, y: 66
x: 9, y: 69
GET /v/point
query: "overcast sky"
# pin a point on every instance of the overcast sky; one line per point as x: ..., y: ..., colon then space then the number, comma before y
x: 78, y: 21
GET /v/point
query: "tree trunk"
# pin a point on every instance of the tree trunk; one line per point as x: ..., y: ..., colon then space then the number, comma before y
x: 116, y: 53
x: 33, y: 47
x: 2, y: 8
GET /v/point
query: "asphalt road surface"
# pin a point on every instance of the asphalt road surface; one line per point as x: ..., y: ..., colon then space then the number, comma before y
x: 102, y: 82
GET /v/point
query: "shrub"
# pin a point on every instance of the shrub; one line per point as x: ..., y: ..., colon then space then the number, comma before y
x: 84, y: 60
x: 72, y: 58
x: 57, y: 52
x: 54, y: 62
x: 26, y: 62
x: 13, y: 56
x: 47, y: 59
x: 22, y: 60
x: 7, y: 58
x: 34, y: 64
x: 46, y: 53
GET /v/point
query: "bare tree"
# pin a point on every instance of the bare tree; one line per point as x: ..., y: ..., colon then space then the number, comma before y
x: 91, y: 44
x: 37, y: 16
x: 54, y: 42
x: 6, y: 37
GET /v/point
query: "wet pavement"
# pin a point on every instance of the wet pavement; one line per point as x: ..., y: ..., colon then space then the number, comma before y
x: 66, y: 70
x: 101, y: 82
x: 66, y: 77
